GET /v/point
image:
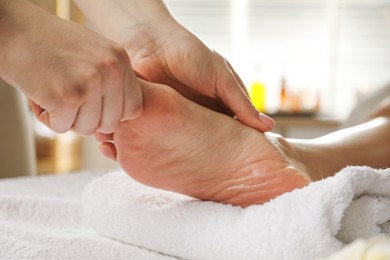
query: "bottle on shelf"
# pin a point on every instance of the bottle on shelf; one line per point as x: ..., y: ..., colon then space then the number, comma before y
x: 284, y: 102
x: 257, y: 94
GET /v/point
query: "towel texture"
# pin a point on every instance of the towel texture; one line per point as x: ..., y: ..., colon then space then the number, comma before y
x: 41, y: 218
x: 304, y: 224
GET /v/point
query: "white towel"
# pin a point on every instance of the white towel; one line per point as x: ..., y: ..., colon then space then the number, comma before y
x: 304, y: 224
x: 41, y: 218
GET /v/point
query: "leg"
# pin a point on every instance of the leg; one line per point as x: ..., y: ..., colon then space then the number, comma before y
x: 365, y: 144
x: 180, y: 146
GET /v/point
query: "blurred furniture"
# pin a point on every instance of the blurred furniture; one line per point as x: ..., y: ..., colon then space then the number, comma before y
x: 305, y: 126
x: 316, y: 125
x: 17, y: 152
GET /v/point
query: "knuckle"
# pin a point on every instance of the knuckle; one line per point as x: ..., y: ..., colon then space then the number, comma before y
x: 72, y: 95
x: 113, y: 67
x: 110, y: 62
x: 77, y: 91
x: 73, y: 90
x: 90, y: 78
x: 119, y: 52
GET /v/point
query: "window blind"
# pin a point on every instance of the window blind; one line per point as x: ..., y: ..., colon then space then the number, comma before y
x: 363, y: 54
x: 208, y: 19
x: 332, y: 46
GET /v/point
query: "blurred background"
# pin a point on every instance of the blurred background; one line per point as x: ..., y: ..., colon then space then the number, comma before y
x: 304, y: 62
x: 338, y: 49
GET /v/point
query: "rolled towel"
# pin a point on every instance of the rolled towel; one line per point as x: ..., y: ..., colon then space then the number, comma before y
x: 303, y: 224
x: 375, y: 248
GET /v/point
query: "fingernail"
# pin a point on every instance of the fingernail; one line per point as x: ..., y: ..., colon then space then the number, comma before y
x: 267, y: 120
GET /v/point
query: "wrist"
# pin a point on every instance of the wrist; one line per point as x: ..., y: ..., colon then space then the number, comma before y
x: 146, y: 37
x: 139, y: 20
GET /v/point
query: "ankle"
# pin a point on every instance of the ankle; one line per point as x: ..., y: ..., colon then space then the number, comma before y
x: 312, y: 157
x: 293, y: 153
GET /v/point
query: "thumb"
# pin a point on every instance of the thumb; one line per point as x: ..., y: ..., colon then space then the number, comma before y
x: 233, y: 94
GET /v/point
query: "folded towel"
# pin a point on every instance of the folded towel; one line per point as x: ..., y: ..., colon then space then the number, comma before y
x: 304, y: 224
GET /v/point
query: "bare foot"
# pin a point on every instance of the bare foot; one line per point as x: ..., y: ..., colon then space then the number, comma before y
x: 180, y: 146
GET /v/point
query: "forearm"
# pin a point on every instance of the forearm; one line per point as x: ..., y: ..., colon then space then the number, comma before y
x: 365, y: 144
x: 17, y: 17
x: 116, y: 18
x: 9, y: 27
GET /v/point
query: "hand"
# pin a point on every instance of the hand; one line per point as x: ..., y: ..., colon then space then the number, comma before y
x: 179, y: 59
x: 74, y: 78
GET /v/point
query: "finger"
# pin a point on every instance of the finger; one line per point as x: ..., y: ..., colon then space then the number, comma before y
x: 108, y: 149
x: 139, y: 75
x: 59, y: 121
x: 112, y: 106
x: 132, y: 97
x: 39, y: 113
x: 233, y: 95
x: 37, y: 109
x: 268, y: 121
x: 101, y: 138
x: 88, y: 117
